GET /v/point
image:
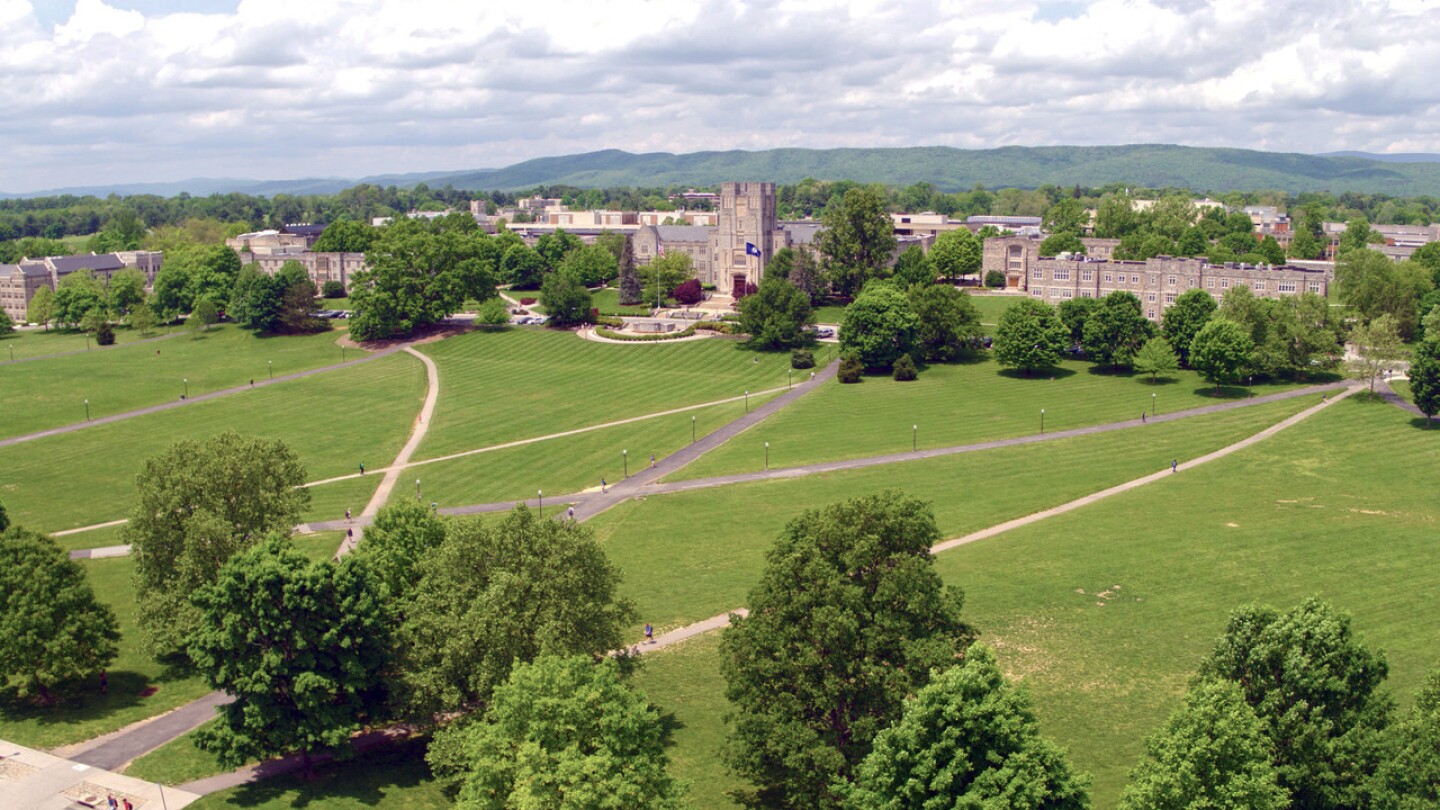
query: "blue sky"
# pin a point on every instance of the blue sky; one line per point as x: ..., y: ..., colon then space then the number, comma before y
x: 103, y: 91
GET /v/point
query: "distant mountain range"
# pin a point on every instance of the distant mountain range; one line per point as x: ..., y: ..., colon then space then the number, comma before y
x: 1150, y: 165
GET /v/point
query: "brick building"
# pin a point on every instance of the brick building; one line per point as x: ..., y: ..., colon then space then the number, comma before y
x: 19, y: 282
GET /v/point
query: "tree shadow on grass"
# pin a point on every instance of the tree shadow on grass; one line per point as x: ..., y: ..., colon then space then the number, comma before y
x: 78, y: 701
x: 1038, y: 374
x: 366, y: 780
x: 1224, y: 392
x: 1158, y: 382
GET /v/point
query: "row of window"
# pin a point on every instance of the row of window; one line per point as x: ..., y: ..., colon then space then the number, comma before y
x: 1258, y: 285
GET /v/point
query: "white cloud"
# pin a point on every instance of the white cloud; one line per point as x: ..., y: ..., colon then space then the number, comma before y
x: 277, y: 88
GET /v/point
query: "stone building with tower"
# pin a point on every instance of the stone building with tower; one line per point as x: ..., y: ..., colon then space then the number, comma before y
x: 735, y: 251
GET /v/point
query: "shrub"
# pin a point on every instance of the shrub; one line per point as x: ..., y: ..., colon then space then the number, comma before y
x: 714, y: 326
x: 802, y: 358
x: 904, y: 369
x: 643, y: 337
x: 851, y: 368
x: 609, y: 320
x: 333, y: 289
x: 104, y: 334
x: 994, y: 278
x: 525, y: 302
x: 689, y: 292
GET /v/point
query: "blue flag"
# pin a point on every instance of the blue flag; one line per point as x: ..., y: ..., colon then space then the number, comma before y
x: 751, y: 250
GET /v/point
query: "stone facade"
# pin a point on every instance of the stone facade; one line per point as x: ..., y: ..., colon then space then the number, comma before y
x: 746, y: 215
x: 1157, y: 282
x: 320, y: 267
x: 19, y: 282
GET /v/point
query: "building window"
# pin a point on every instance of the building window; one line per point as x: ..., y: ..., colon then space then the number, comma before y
x: 1169, y: 298
x: 1285, y: 286
x: 1172, y: 281
x: 1314, y: 287
x: 1067, y: 293
x: 1150, y: 314
x: 1109, y: 279
x: 1210, y: 282
x: 1150, y: 297
x: 1038, y: 292
x: 1259, y: 286
x: 1086, y: 294
x: 1037, y: 274
x: 1224, y: 283
x: 1087, y: 275
x: 1062, y: 275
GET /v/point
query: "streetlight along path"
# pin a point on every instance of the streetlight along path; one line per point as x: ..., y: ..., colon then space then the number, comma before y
x: 152, y: 734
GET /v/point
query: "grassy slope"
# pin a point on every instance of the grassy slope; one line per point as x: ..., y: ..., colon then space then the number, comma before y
x: 34, y: 343
x: 50, y: 393
x: 687, y: 556
x: 501, y: 386
x: 332, y: 421
x: 86, y: 713
x: 389, y: 777
x: 564, y: 465
x: 951, y: 404
x: 1320, y: 509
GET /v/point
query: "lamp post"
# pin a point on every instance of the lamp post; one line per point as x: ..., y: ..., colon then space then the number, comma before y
x: 87, y: 410
x: 271, y: 365
x: 747, y: 400
x: 1249, y: 386
x: 914, y: 438
x: 417, y: 489
x: 540, y: 502
x: 692, y: 430
x: 1152, y: 403
x: 186, y: 380
x: 342, y: 354
x: 1042, y: 421
x: 789, y: 372
x: 767, y: 455
x: 625, y: 454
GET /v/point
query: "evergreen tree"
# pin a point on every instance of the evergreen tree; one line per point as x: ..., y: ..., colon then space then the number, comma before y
x: 629, y: 279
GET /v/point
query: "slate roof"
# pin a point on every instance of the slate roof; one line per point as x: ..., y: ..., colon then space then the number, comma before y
x: 306, y: 229
x: 684, y: 233
x: 802, y: 233
x: 31, y: 269
x: 69, y: 264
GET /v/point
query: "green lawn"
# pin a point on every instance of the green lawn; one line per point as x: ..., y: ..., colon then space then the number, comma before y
x: 329, y: 501
x: 563, y: 465
x: 332, y: 421
x: 951, y: 405
x: 829, y: 314
x: 35, y: 343
x: 608, y: 301
x: 1322, y: 508
x: 86, y: 713
x: 395, y: 776
x: 991, y: 307
x: 691, y: 555
x: 519, y: 383
x: 49, y: 393
x: 684, y: 684
x: 95, y: 538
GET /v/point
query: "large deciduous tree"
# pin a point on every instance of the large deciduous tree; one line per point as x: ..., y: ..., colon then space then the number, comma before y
x: 948, y: 324
x: 968, y: 739
x: 858, y: 240
x: 201, y: 502
x: 957, y: 253
x: 502, y: 592
x: 592, y: 265
x: 1374, y: 285
x: 565, y: 299
x: 522, y: 267
x: 127, y: 290
x: 53, y: 630
x: 1316, y: 690
x: 1155, y: 358
x: 848, y: 619
x: 1116, y: 330
x: 1377, y: 349
x: 345, y: 236
x: 662, y: 275
x: 1425, y: 376
x: 1212, y: 753
x: 1222, y: 352
x: 1030, y: 336
x: 42, y: 307
x: 77, y: 295
x: 1185, y: 318
x: 775, y: 317
x: 418, y: 274
x: 300, y: 646
x: 1408, y: 776
x: 564, y: 733
x: 912, y: 268
x: 879, y: 325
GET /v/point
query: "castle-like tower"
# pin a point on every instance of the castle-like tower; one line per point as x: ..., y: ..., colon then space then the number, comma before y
x: 747, y: 217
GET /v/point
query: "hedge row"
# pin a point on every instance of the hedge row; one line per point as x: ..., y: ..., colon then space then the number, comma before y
x: 613, y: 335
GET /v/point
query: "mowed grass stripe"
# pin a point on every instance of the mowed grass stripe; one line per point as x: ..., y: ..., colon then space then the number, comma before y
x: 332, y: 421
x: 519, y: 383
x: 50, y: 393
x: 692, y: 555
x: 566, y: 464
x: 954, y: 405
x: 1106, y: 612
x: 28, y: 343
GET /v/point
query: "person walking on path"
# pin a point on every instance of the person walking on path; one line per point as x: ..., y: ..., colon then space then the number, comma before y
x: 602, y: 486
x: 110, y: 798
x: 649, y: 634
x: 347, y: 515
x: 1174, y: 463
x: 652, y: 461
x: 362, y: 468
x: 570, y: 513
x: 1142, y: 417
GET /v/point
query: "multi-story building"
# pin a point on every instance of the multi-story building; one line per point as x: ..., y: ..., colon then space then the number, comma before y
x: 19, y: 282
x: 320, y: 267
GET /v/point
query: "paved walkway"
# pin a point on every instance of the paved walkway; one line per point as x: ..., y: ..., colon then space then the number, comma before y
x: 180, y: 403
x: 1382, y: 387
x: 35, y: 780
x: 392, y: 474
x: 117, y: 749
x: 722, y: 620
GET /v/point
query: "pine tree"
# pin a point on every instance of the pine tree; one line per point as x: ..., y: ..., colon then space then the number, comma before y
x: 629, y: 280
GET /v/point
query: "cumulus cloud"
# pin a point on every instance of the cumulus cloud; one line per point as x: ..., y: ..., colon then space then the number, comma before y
x: 276, y: 88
